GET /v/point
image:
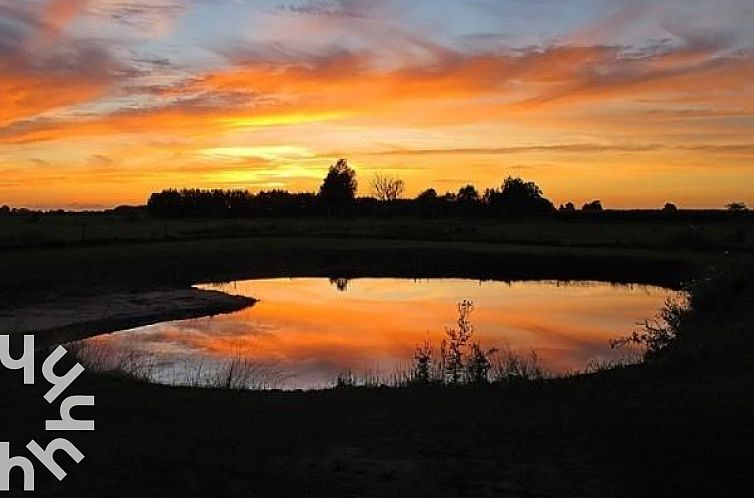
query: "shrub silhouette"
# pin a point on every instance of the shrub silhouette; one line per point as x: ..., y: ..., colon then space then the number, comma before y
x: 456, y: 341
x: 697, y: 331
x: 658, y: 334
x: 428, y: 195
x: 669, y: 207
x: 467, y: 195
x: 478, y: 364
x: 594, y: 206
x: 518, y: 197
x: 462, y: 361
x: 736, y: 207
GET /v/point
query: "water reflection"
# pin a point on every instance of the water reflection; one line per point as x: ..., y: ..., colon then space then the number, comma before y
x: 313, y: 328
x: 340, y: 283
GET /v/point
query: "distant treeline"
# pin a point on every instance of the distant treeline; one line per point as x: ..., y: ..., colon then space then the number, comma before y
x: 515, y: 198
x: 337, y: 195
x: 224, y: 203
x: 278, y: 203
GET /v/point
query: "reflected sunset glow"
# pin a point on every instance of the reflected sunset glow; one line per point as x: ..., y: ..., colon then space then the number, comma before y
x: 311, y: 331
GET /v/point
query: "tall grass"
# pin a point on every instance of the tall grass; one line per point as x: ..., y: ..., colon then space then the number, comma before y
x: 510, y: 366
x: 242, y: 371
x: 131, y: 361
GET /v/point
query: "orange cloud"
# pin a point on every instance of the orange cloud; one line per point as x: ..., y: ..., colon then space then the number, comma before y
x: 24, y: 95
x: 60, y: 12
x: 461, y: 89
x: 635, y: 110
x: 37, y: 76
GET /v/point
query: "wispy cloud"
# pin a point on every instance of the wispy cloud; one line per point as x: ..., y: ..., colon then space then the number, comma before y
x: 344, y: 8
x: 154, y: 17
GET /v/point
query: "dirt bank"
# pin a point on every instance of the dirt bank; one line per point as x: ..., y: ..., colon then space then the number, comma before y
x: 66, y: 318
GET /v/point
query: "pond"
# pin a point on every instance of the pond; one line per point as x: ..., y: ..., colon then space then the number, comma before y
x: 304, y: 332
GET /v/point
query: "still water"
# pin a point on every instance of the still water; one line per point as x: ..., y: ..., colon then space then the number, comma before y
x: 305, y: 331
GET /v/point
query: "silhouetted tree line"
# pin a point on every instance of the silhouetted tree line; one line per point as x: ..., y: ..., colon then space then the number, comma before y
x: 515, y: 198
x: 173, y: 203
x: 337, y: 195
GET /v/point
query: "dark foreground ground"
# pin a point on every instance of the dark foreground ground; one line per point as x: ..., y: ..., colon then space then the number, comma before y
x: 680, y: 427
x: 616, y: 434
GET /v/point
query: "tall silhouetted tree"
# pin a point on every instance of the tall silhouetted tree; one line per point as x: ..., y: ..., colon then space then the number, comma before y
x: 387, y: 188
x: 339, y: 186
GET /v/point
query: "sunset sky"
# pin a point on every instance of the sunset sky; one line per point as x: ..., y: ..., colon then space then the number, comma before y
x: 632, y: 102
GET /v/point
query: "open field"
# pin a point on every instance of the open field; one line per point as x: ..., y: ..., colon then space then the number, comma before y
x: 686, y: 230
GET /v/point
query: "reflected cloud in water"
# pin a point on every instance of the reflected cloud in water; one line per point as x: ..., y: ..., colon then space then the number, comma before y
x: 313, y: 328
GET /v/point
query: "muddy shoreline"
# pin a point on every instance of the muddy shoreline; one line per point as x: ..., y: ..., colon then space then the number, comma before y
x: 69, y: 318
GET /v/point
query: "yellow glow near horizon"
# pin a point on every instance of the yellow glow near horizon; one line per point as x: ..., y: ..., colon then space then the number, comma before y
x: 268, y: 152
x: 281, y: 119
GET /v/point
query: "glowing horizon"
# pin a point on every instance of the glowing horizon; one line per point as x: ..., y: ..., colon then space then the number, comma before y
x: 634, y: 102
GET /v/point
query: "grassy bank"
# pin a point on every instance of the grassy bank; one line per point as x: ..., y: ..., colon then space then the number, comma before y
x: 30, y: 273
x: 85, y: 252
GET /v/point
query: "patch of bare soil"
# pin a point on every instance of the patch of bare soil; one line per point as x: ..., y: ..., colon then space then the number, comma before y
x: 67, y: 318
